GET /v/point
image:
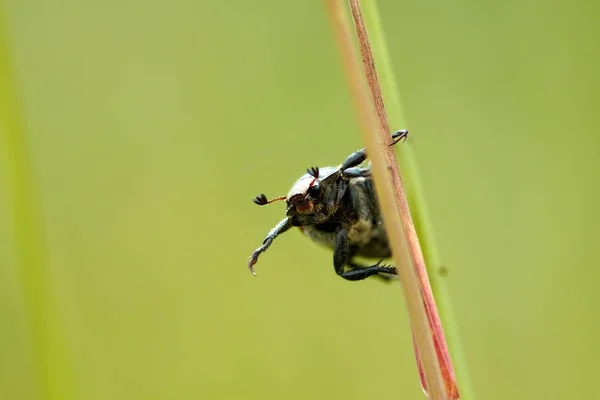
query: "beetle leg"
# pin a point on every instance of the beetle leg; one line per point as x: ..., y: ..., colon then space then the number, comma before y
x: 340, y: 250
x: 340, y: 260
x: 359, y: 156
x: 365, y: 272
x: 398, y: 136
x: 354, y: 159
x: 385, y: 278
x: 357, y: 172
x: 280, y: 228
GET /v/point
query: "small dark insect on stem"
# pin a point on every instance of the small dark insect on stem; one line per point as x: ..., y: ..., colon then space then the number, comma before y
x: 262, y: 200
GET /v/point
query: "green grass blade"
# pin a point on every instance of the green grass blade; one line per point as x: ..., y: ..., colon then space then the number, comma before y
x: 23, y: 223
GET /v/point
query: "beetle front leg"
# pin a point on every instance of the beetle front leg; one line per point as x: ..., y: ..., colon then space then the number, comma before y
x: 357, y: 172
x: 398, y: 136
x: 280, y: 228
x: 354, y: 159
x: 359, y: 156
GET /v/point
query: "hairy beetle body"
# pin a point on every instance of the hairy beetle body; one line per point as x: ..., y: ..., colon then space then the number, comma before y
x: 366, y: 232
x: 337, y: 207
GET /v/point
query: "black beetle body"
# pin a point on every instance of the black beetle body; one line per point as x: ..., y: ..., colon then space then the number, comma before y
x: 337, y: 207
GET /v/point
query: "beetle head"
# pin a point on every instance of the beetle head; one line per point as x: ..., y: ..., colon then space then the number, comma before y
x: 308, y: 195
x: 314, y: 195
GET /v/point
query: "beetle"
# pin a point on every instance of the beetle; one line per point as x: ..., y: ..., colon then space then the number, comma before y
x: 337, y: 207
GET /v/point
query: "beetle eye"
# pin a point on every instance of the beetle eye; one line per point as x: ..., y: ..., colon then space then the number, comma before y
x: 314, y: 190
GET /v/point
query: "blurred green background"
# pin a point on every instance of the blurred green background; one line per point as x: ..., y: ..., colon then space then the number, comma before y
x: 149, y: 127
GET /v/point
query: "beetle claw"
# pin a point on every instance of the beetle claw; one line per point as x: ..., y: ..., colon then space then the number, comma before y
x: 251, y: 268
x: 398, y: 136
x: 253, y: 260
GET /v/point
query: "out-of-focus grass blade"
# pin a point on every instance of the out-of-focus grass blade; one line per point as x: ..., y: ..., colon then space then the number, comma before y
x: 50, y: 361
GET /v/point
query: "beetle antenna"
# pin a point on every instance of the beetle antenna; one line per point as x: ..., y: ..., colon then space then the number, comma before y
x: 262, y: 200
x: 314, y: 172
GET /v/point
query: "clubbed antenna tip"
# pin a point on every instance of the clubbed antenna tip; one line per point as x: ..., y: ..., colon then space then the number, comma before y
x: 262, y: 200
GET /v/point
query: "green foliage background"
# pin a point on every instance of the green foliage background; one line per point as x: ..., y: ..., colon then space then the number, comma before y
x: 150, y: 126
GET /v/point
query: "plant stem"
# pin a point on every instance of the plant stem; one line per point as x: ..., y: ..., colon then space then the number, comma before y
x: 389, y: 186
x: 446, y: 381
x: 418, y: 203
